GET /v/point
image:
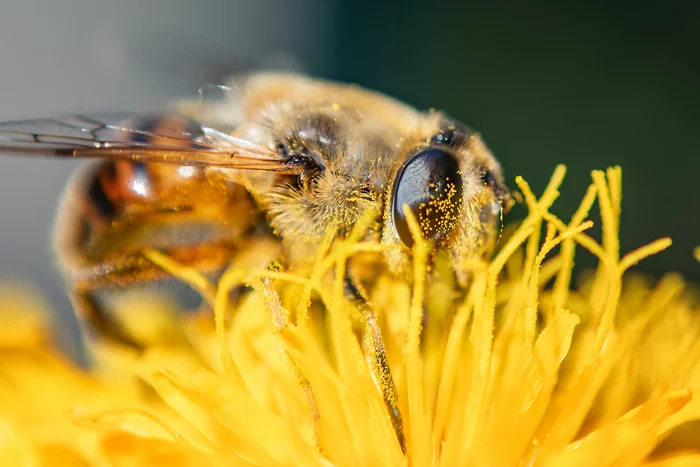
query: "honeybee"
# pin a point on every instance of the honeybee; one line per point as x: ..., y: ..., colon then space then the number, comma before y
x: 279, y: 155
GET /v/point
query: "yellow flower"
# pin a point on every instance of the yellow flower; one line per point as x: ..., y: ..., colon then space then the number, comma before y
x: 522, y: 369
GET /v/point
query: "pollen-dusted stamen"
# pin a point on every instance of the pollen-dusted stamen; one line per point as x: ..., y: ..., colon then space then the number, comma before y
x: 508, y: 372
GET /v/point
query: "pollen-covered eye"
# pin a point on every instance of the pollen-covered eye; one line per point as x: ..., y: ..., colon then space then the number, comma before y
x: 430, y: 183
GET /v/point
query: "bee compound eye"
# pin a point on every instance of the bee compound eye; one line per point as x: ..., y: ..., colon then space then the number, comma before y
x: 430, y: 183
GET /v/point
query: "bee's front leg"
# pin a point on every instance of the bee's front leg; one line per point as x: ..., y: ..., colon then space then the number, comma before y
x: 375, y: 353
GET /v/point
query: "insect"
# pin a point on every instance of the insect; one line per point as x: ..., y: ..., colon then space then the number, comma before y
x: 279, y: 155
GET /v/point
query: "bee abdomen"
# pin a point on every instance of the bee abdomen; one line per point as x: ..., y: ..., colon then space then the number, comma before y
x: 93, y: 200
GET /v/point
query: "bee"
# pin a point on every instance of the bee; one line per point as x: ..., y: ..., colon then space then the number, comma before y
x: 281, y: 158
x: 278, y: 156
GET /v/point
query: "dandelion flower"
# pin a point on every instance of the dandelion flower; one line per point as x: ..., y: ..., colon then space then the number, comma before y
x: 521, y: 369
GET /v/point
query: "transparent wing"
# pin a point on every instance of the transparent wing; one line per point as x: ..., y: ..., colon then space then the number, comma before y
x: 161, y: 137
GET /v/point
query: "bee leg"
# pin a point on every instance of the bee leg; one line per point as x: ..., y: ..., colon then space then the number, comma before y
x: 123, y: 270
x: 375, y: 353
x: 100, y: 320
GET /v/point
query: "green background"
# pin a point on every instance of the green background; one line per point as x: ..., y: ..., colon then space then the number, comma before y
x: 586, y: 84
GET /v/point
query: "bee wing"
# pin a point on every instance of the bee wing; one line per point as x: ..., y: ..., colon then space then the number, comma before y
x: 162, y: 137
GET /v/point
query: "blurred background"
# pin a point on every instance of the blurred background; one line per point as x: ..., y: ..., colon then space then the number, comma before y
x: 587, y: 84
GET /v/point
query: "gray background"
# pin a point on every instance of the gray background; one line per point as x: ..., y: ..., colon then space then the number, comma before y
x: 588, y: 84
x: 71, y: 56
